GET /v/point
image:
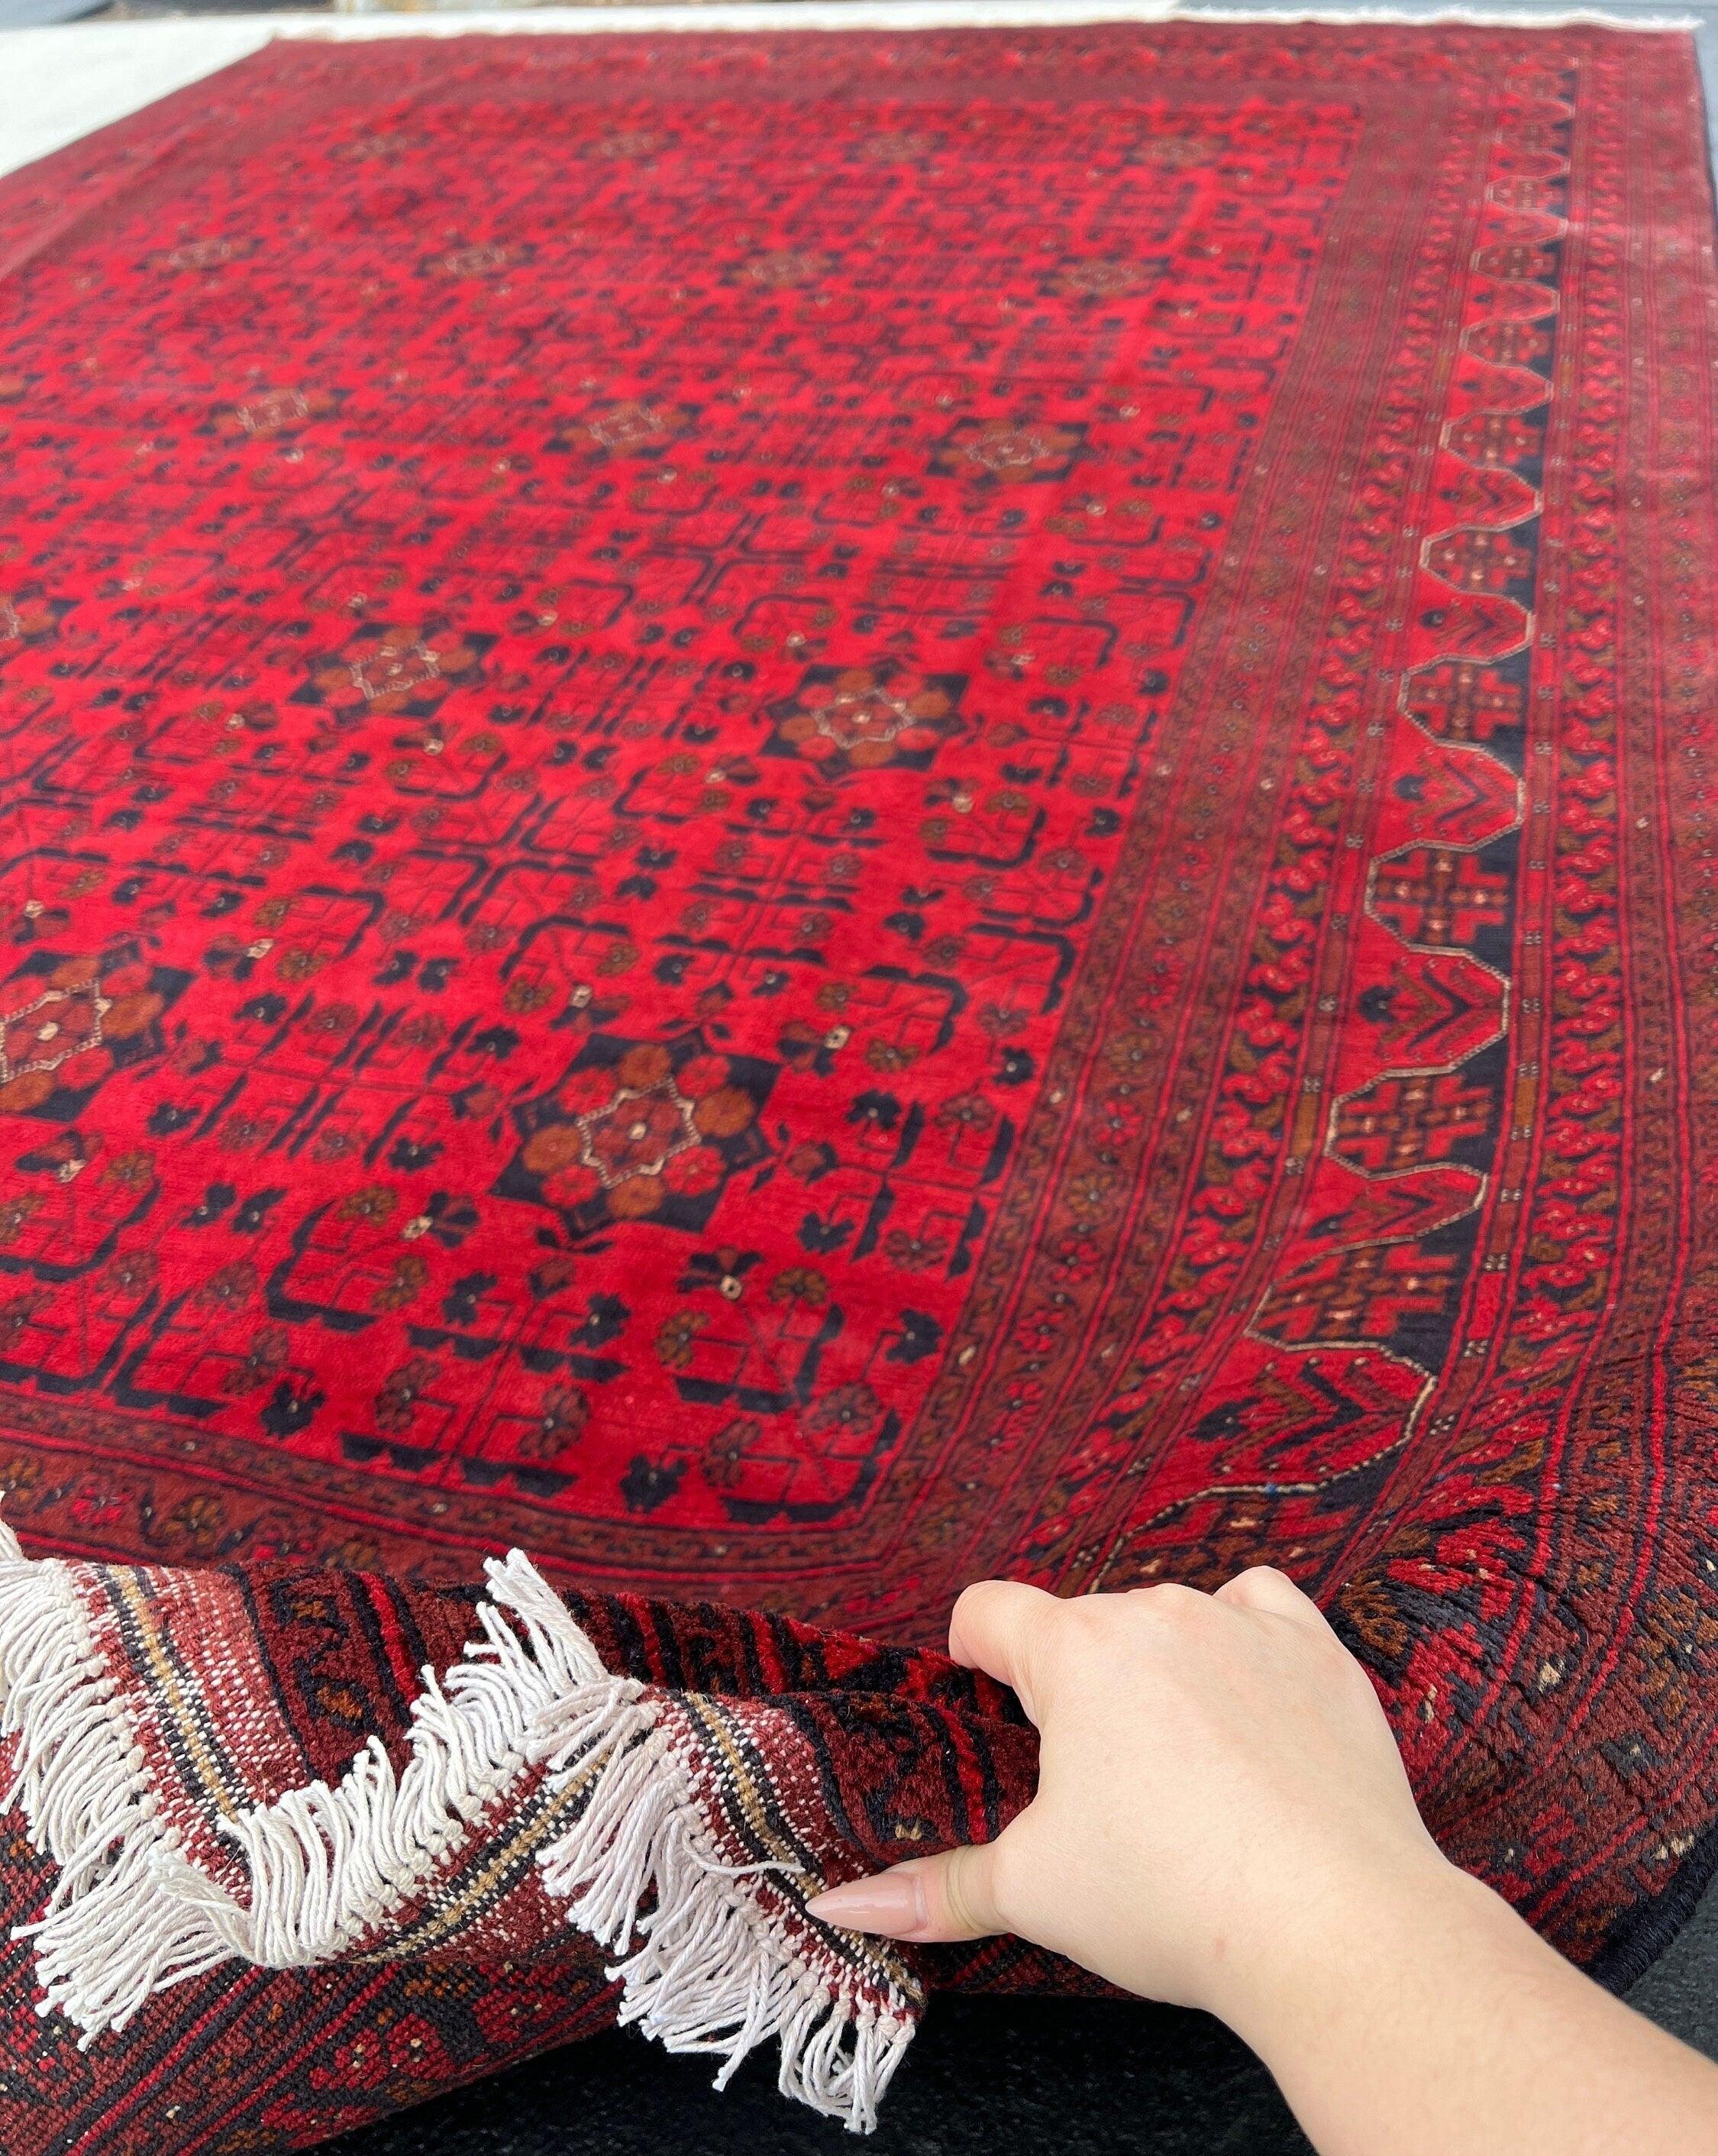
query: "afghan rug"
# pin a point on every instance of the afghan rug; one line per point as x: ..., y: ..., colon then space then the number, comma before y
x: 791, y: 816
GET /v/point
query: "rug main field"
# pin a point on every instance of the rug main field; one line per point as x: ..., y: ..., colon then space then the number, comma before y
x: 803, y: 815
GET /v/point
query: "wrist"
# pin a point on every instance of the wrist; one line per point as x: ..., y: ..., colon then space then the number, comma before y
x: 1348, y: 1944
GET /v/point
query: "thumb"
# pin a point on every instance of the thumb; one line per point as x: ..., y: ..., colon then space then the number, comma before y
x: 949, y: 1896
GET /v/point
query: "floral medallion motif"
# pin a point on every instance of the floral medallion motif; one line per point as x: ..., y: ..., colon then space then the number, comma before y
x: 28, y: 616
x: 640, y: 1131
x: 395, y: 668
x: 851, y: 719
x: 67, y: 1022
x: 273, y: 412
x: 630, y: 426
x: 1009, y: 452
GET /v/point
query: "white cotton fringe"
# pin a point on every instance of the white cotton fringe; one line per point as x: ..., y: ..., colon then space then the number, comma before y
x: 131, y: 1915
x: 711, y: 1971
x: 113, y: 1930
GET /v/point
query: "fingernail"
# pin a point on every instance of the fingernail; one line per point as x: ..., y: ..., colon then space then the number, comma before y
x: 892, y: 1903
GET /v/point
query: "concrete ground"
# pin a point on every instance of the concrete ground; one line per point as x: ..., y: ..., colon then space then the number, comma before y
x: 1083, y: 2080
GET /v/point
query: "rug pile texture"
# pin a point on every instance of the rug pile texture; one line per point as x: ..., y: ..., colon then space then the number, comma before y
x: 792, y: 816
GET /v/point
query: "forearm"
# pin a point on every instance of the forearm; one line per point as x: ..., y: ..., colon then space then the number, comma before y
x: 1428, y: 2020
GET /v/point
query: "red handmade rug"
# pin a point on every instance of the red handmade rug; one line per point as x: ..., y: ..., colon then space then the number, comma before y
x: 798, y: 816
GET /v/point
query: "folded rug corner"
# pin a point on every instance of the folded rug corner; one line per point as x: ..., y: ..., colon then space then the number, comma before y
x: 532, y: 1785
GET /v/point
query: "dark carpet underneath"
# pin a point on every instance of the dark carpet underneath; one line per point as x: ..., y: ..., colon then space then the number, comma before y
x: 1086, y: 2080
x: 1083, y: 2079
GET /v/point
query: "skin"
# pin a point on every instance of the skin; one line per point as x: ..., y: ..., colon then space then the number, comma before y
x: 1223, y: 1822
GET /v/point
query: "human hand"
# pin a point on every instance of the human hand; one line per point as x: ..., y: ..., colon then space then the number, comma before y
x: 1216, y: 1777
x: 1222, y: 1820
